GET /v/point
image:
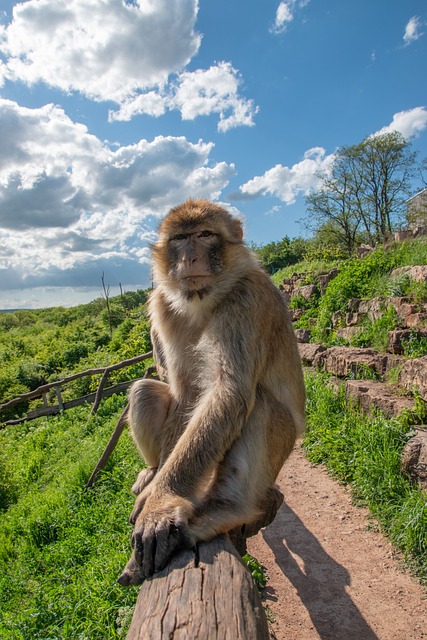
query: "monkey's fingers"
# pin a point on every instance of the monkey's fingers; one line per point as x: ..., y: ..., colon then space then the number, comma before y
x: 132, y: 573
x: 148, y: 543
x: 144, y: 478
x: 138, y: 507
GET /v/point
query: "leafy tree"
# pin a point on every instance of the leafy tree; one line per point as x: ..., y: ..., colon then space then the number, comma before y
x: 332, y: 209
x: 276, y: 255
x: 366, y: 188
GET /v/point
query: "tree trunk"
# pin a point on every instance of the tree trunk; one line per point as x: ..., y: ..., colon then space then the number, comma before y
x: 208, y: 594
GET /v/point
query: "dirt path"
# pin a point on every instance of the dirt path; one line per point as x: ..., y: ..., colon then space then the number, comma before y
x: 330, y: 576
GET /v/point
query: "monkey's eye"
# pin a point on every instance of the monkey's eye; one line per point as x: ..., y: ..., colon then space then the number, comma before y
x: 205, y: 234
x: 179, y: 236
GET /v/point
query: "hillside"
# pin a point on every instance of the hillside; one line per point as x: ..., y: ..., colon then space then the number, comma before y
x: 62, y: 547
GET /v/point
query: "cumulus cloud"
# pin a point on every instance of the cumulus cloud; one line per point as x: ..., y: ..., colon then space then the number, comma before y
x: 285, y: 14
x: 215, y: 90
x: 109, y: 51
x: 287, y: 183
x: 68, y: 200
x: 409, y: 123
x: 413, y: 30
x: 106, y: 50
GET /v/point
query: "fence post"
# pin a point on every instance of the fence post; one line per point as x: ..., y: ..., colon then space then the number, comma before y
x: 59, y: 397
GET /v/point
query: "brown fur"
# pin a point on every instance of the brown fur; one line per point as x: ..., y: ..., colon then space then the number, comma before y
x: 225, y: 418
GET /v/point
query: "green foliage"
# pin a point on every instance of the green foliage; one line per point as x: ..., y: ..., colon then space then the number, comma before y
x: 61, y: 546
x: 365, y: 452
x: 45, y: 345
x: 375, y: 334
x: 257, y: 571
x: 414, y: 346
x: 310, y: 268
x: 276, y: 255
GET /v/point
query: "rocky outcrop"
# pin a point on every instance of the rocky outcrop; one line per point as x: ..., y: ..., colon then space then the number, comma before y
x: 417, y: 273
x: 308, y: 352
x: 364, y: 371
x: 398, y: 337
x: 414, y: 458
x: 346, y: 361
x: 296, y: 285
x: 413, y: 376
x: 371, y: 394
x: 303, y: 335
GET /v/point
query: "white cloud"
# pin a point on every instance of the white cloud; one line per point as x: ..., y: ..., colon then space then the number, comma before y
x: 133, y: 54
x: 413, y: 30
x: 71, y: 205
x: 214, y: 91
x: 409, y: 123
x: 285, y: 14
x: 106, y: 50
x: 197, y: 93
x: 287, y: 183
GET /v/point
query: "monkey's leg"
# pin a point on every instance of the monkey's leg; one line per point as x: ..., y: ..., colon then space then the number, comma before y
x: 248, y: 470
x: 149, y: 403
x: 156, y: 422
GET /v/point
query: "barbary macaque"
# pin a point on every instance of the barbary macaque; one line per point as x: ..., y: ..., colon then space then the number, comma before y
x: 217, y: 427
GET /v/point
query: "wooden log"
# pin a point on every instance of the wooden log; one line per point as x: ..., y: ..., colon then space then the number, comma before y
x: 206, y: 594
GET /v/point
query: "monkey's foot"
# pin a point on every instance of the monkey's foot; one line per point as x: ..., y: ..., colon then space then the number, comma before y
x: 144, y: 477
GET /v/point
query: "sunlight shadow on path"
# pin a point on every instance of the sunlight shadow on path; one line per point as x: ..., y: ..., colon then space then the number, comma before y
x: 318, y: 579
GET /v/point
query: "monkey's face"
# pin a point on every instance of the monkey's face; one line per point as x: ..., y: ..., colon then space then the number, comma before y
x: 195, y: 257
x: 197, y: 246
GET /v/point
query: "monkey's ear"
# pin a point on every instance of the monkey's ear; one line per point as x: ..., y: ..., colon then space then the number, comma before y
x: 237, y: 229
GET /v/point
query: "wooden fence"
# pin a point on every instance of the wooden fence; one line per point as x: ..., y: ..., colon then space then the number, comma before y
x: 43, y: 391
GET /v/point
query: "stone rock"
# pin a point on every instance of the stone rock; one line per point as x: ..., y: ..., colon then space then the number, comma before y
x: 296, y: 314
x: 404, y: 307
x: 348, y: 333
x: 353, y: 305
x: 371, y: 394
x: 364, y: 250
x: 307, y: 291
x: 348, y: 361
x: 308, y: 352
x: 414, y: 458
x: 337, y: 319
x: 398, y: 336
x: 399, y: 236
x: 414, y: 376
x: 374, y: 308
x: 393, y: 361
x: 418, y: 319
x: 351, y: 319
x: 303, y: 335
x: 325, y: 279
x: 417, y: 272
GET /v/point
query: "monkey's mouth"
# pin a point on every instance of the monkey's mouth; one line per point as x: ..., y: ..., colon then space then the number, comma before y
x: 198, y: 282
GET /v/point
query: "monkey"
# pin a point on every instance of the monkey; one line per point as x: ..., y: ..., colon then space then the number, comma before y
x: 218, y: 425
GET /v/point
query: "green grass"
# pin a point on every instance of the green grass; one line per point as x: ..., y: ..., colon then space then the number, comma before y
x: 63, y: 547
x: 365, y: 453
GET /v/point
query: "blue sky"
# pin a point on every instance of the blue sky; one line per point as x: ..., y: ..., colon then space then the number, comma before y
x: 112, y: 112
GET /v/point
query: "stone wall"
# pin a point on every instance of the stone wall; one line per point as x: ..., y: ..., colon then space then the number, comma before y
x: 366, y: 372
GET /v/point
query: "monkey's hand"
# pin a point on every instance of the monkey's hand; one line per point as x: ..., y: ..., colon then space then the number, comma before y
x: 160, y: 529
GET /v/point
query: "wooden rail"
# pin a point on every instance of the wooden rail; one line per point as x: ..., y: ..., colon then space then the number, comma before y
x: 102, y: 391
x: 207, y: 594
